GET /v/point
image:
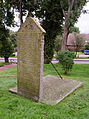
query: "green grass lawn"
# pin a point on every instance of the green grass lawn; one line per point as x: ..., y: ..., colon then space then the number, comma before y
x: 81, y: 57
x: 2, y: 64
x: 13, y: 57
x: 80, y: 53
x: 75, y: 106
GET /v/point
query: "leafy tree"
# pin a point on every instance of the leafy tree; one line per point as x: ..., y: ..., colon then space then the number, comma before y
x: 13, y: 39
x: 71, y: 10
x: 22, y: 6
x: 6, y: 49
x: 66, y: 60
x: 51, y: 17
x: 78, y: 42
x: 57, y: 43
x: 6, y: 19
x: 74, y: 29
x: 6, y: 14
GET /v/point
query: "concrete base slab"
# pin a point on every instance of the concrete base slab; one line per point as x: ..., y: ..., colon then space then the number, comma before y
x: 13, y: 90
x: 54, y: 89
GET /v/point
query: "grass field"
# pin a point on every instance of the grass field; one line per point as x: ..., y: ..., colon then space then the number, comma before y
x: 2, y: 64
x: 75, y: 106
x: 82, y: 58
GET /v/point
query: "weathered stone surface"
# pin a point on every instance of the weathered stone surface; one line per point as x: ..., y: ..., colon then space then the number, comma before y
x: 55, y: 90
x: 30, y: 59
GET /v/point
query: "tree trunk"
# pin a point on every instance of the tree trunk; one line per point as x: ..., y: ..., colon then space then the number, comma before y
x: 6, y: 59
x: 65, y: 36
x: 67, y: 24
x: 21, y: 19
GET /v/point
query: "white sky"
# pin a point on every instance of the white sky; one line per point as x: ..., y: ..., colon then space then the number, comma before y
x: 83, y: 21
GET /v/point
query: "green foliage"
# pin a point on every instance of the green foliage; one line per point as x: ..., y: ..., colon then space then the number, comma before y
x: 4, y: 33
x: 86, y: 46
x: 13, y: 39
x: 6, y: 19
x: 51, y: 17
x: 27, y: 5
x: 6, y: 14
x: 66, y: 60
x: 2, y: 64
x: 58, y: 40
x: 48, y: 49
x: 74, y: 29
x: 6, y: 50
x: 71, y: 11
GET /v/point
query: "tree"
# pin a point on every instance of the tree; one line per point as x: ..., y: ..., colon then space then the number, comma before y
x: 6, y: 14
x: 6, y: 19
x: 51, y: 17
x: 71, y: 10
x: 13, y: 36
x: 6, y: 50
x: 57, y: 43
x: 74, y: 29
x: 78, y: 42
x: 22, y: 6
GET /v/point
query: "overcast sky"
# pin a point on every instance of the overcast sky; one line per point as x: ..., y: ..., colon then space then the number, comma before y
x: 83, y: 21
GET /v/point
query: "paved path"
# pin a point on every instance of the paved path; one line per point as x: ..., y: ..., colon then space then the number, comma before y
x: 7, y: 66
x: 76, y: 61
x: 11, y: 59
x: 54, y: 61
x: 82, y: 55
x: 81, y: 61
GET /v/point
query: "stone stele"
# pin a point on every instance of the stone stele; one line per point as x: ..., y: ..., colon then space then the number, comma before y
x: 30, y: 45
x: 30, y: 81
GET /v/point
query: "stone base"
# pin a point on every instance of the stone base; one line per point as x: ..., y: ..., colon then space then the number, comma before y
x: 54, y: 89
x: 13, y: 90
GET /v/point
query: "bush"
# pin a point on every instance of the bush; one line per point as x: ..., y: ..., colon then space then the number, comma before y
x: 66, y: 60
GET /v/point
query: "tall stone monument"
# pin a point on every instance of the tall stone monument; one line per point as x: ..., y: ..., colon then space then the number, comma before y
x: 30, y: 43
x: 30, y: 81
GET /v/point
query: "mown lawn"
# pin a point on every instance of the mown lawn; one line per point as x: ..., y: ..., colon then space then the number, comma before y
x: 75, y: 106
x: 82, y: 58
x: 2, y: 64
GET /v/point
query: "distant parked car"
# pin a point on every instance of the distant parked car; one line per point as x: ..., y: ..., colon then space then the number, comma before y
x: 86, y: 52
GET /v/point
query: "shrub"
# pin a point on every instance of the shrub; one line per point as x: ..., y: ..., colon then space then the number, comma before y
x: 66, y: 60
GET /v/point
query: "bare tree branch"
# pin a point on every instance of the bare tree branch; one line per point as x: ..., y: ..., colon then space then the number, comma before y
x: 69, y: 2
x: 64, y: 13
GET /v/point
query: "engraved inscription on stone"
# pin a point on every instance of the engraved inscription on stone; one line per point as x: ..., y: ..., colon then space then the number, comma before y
x: 30, y: 42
